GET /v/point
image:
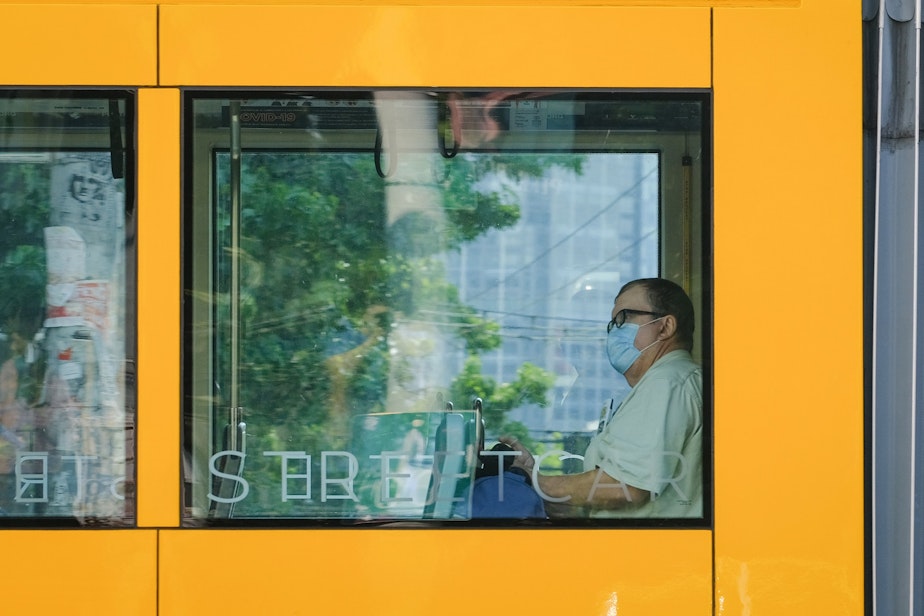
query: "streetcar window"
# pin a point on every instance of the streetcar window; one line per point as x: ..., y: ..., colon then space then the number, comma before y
x: 66, y: 309
x: 382, y: 285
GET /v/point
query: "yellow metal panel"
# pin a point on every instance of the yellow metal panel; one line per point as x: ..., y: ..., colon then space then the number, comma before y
x: 97, y: 44
x: 79, y: 572
x: 159, y: 478
x: 446, y: 572
x: 788, y: 310
x: 432, y: 46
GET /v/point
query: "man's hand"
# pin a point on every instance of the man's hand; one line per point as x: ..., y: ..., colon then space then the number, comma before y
x: 525, y: 460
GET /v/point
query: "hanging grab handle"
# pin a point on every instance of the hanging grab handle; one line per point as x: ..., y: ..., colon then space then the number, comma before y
x: 445, y: 118
x: 392, y: 156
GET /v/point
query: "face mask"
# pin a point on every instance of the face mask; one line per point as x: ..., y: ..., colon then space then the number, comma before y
x: 620, y: 346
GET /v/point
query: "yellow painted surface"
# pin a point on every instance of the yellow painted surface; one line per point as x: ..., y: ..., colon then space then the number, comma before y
x: 446, y: 572
x: 159, y: 307
x: 79, y: 572
x: 62, y: 45
x: 788, y: 412
x: 788, y: 313
x: 434, y: 46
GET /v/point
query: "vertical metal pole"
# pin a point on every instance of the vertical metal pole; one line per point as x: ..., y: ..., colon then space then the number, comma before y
x: 895, y: 346
x: 235, y: 414
x: 687, y: 220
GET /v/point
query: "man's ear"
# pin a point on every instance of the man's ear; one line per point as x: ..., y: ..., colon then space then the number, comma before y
x: 668, y: 327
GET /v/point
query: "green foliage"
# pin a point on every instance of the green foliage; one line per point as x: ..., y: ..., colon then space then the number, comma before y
x: 472, y: 212
x: 530, y: 387
x: 24, y: 213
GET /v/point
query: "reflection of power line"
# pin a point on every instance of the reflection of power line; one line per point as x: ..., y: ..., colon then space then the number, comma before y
x: 439, y: 318
x: 557, y: 327
x: 567, y: 237
x: 571, y: 282
x: 531, y: 317
x: 291, y: 319
x: 592, y: 335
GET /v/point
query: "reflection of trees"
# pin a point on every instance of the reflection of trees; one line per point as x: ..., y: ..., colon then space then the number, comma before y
x: 324, y: 281
x: 530, y: 387
x: 24, y: 213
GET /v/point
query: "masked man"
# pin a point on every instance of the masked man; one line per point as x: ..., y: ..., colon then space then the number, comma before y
x: 646, y: 458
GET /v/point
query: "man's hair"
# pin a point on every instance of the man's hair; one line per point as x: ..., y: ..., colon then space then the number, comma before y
x: 667, y: 297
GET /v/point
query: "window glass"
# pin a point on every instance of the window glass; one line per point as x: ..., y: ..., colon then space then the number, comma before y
x: 397, y: 305
x: 66, y: 318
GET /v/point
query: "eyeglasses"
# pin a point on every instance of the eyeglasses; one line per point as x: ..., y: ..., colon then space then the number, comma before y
x: 620, y: 319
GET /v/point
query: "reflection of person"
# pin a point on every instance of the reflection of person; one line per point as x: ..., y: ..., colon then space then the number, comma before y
x: 11, y: 403
x: 412, y: 449
x: 12, y: 411
x: 646, y: 459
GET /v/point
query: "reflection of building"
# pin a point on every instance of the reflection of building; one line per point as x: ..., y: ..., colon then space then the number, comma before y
x: 550, y: 281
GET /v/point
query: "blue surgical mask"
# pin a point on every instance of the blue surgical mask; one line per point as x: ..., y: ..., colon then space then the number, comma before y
x: 620, y: 346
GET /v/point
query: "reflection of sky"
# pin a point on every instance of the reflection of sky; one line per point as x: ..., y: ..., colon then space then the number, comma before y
x: 550, y: 280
